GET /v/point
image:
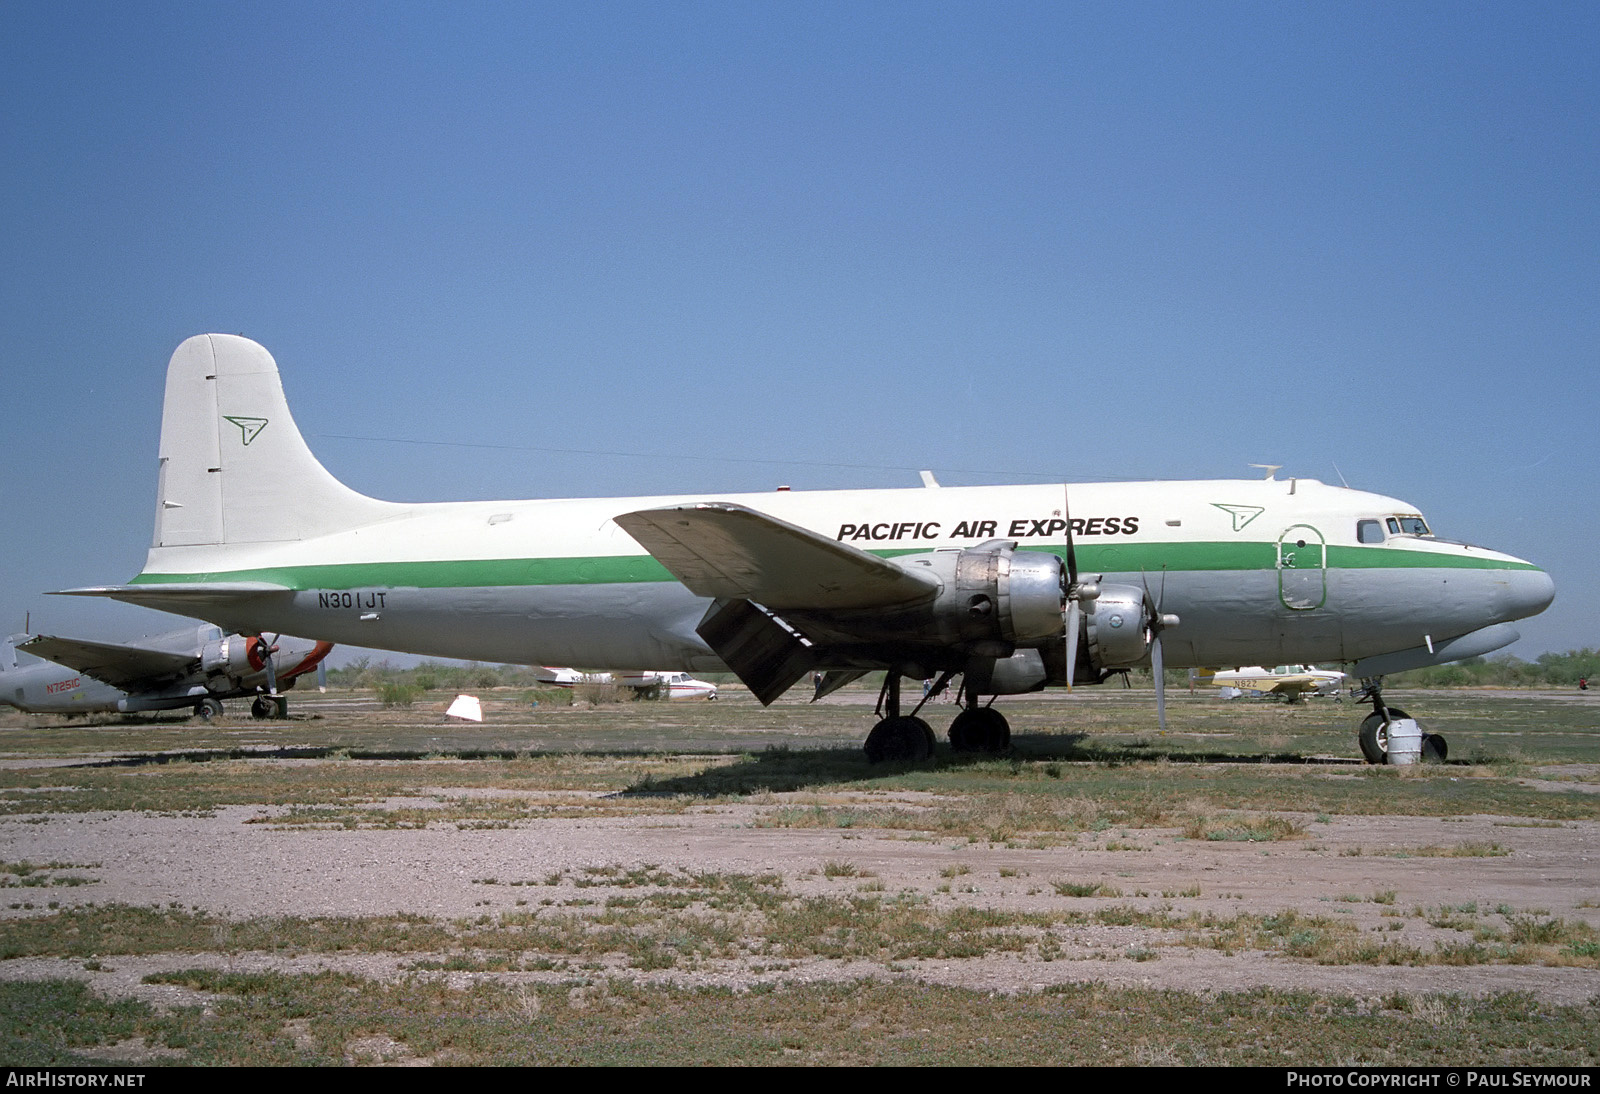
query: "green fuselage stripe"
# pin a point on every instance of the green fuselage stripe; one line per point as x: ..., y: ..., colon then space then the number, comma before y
x: 629, y: 569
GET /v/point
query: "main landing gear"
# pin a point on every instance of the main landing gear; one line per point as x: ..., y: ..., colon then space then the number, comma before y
x: 896, y: 736
x: 1374, y: 732
x: 269, y: 706
x: 909, y: 738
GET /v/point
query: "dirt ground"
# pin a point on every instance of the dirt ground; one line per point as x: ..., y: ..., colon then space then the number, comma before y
x: 222, y: 865
x: 233, y: 862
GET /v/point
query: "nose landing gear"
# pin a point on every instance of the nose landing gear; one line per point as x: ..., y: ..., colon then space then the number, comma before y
x: 1374, y: 733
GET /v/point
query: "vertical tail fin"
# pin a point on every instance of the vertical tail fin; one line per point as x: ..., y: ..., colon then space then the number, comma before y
x: 234, y: 468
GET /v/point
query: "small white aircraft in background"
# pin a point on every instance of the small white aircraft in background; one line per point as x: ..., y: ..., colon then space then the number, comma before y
x: 197, y: 667
x: 1292, y: 682
x: 649, y: 685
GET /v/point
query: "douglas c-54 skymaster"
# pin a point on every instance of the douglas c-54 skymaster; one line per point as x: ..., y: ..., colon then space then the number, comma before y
x: 1012, y: 588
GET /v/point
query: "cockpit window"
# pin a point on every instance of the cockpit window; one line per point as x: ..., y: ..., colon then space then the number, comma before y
x: 1414, y: 526
x: 1369, y: 531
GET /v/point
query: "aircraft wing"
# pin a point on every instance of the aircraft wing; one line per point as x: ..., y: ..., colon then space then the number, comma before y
x: 126, y: 667
x: 728, y: 551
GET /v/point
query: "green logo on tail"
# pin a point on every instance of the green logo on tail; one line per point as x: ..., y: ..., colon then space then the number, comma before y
x: 249, y: 428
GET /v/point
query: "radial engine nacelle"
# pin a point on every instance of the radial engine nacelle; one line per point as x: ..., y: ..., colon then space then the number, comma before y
x: 235, y: 657
x: 1119, y: 627
x: 992, y: 599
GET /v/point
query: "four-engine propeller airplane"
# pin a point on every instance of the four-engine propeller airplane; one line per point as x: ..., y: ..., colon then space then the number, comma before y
x: 1010, y: 588
x: 197, y: 667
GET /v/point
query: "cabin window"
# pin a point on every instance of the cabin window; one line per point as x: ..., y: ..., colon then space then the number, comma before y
x: 1369, y: 531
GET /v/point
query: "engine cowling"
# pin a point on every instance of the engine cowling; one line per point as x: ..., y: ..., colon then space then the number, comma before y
x: 235, y: 657
x: 991, y: 598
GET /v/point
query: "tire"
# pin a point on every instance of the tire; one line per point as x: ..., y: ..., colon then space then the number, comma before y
x: 207, y: 709
x: 980, y: 729
x: 899, y: 740
x: 1374, y: 735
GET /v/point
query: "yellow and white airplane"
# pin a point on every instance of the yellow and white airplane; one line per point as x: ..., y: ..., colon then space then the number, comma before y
x: 1290, y: 681
x: 1011, y: 588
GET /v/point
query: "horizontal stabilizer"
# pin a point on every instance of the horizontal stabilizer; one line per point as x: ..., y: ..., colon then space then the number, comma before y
x: 221, y: 590
x: 183, y: 598
x: 119, y: 666
x: 728, y: 551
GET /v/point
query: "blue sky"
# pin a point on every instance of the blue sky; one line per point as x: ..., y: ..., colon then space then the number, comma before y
x: 612, y: 248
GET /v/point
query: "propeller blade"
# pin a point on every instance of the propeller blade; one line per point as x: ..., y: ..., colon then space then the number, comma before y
x: 270, y: 663
x: 1072, y: 550
x: 1073, y: 609
x: 1074, y: 616
x: 1159, y: 668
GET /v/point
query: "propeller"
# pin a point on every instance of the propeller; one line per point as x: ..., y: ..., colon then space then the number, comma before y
x: 1158, y: 623
x: 1072, y: 608
x: 264, y: 650
x: 1077, y: 593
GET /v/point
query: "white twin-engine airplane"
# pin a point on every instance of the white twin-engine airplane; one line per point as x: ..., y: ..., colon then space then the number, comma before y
x: 650, y: 685
x: 1012, y: 588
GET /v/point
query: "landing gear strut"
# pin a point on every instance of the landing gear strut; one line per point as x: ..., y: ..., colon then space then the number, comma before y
x: 896, y: 736
x: 1374, y: 732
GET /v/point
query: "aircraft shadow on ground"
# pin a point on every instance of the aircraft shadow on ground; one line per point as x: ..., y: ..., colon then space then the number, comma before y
x: 776, y: 770
x: 780, y: 770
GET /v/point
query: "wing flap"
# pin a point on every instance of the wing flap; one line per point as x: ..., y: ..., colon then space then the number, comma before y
x: 728, y: 551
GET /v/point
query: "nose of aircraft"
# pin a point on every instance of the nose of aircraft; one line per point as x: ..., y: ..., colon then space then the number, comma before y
x: 1528, y: 592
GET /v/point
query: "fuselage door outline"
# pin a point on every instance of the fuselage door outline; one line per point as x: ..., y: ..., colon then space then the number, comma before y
x: 1302, y: 568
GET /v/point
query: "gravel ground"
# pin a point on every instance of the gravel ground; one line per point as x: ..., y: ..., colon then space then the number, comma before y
x: 221, y: 864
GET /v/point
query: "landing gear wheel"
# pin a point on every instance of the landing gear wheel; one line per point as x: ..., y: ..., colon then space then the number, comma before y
x: 260, y: 708
x: 1374, y: 735
x: 980, y: 729
x: 207, y: 709
x: 899, y: 739
x: 1434, y: 750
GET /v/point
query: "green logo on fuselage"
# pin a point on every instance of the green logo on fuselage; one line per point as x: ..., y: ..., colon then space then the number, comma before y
x: 1241, y: 514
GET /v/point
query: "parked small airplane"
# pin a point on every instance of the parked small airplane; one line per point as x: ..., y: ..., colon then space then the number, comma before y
x: 1290, y: 681
x: 650, y: 685
x: 197, y: 667
x: 1011, y: 588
